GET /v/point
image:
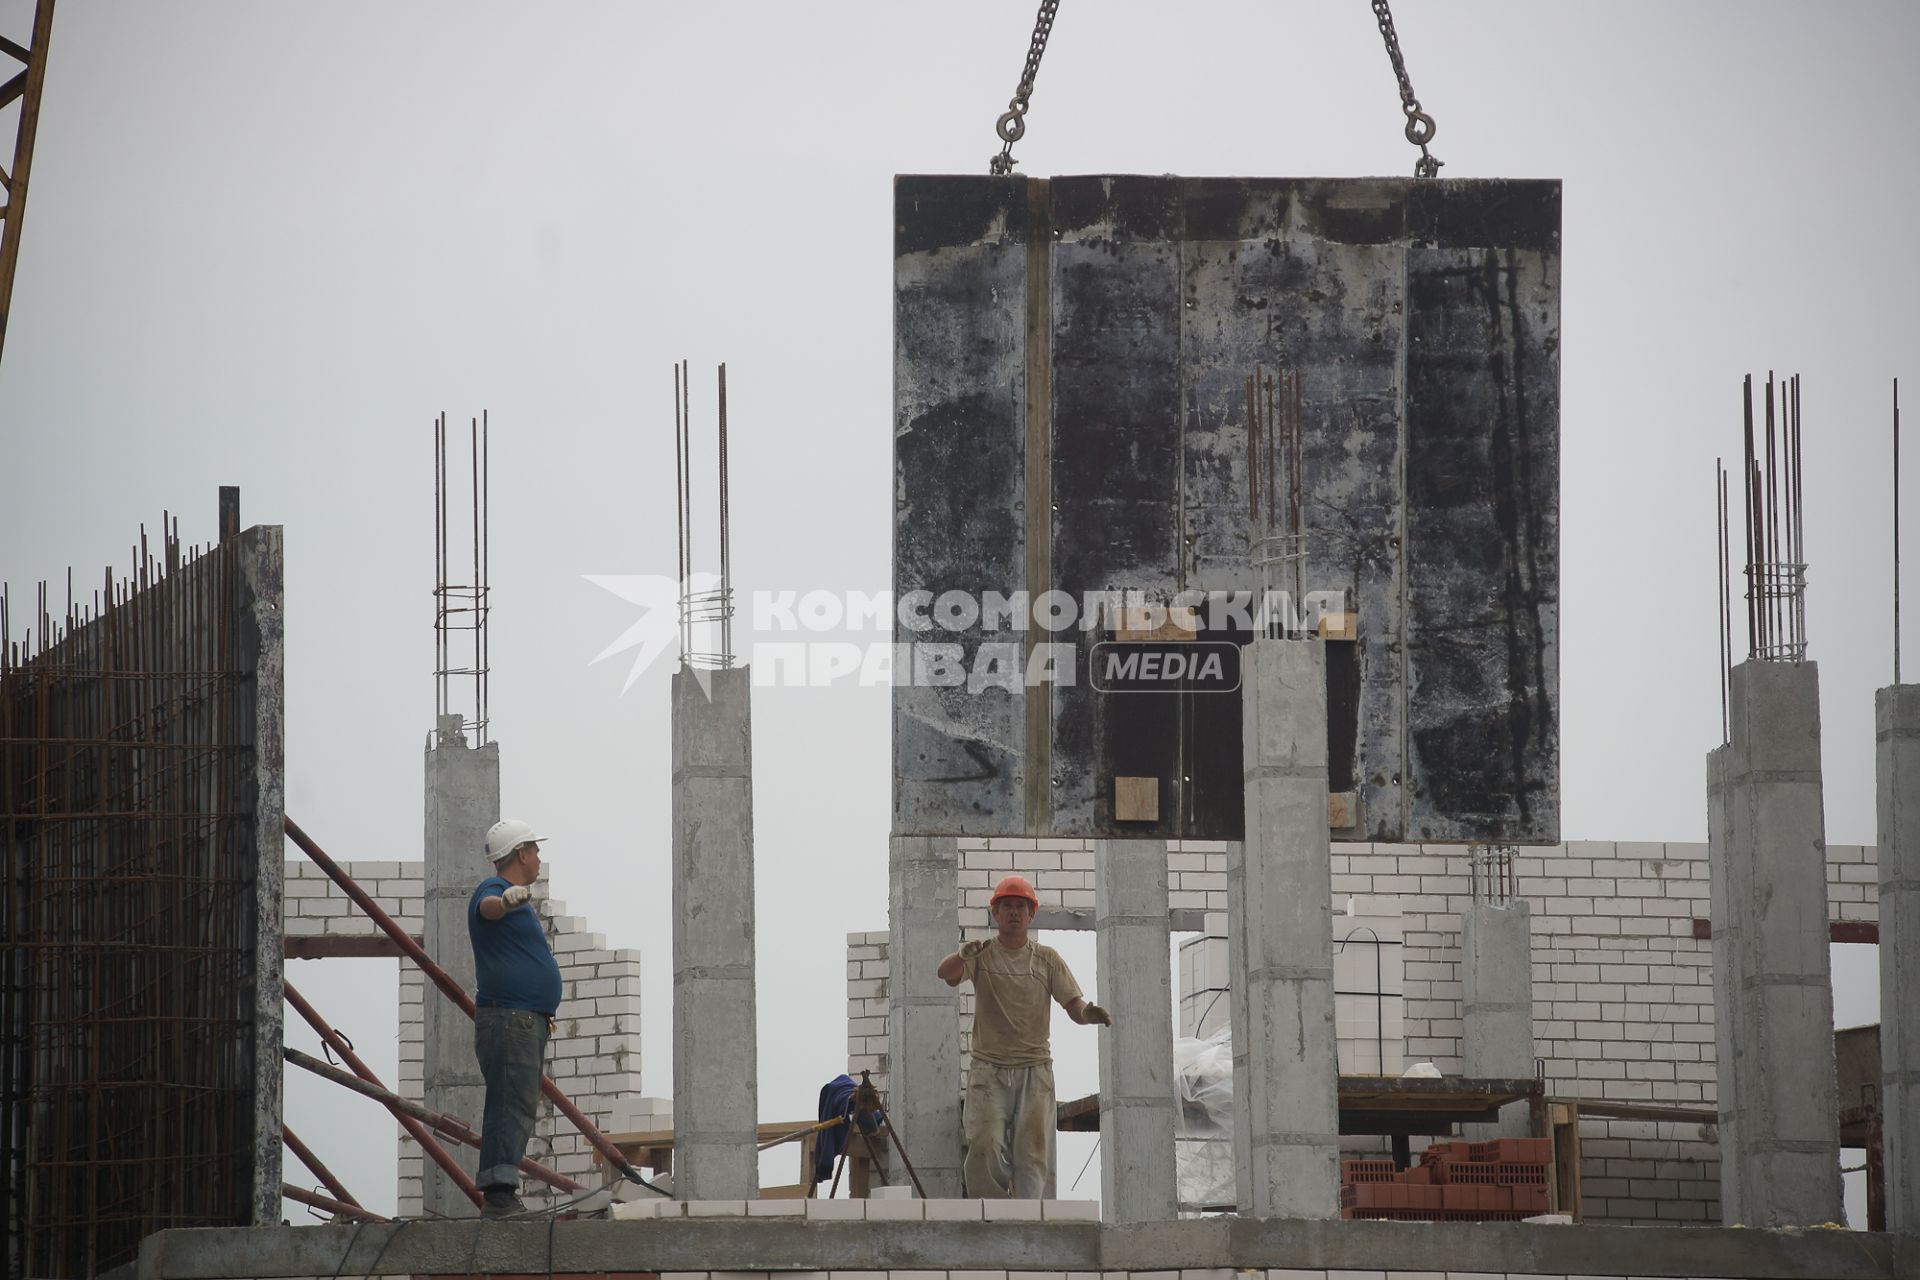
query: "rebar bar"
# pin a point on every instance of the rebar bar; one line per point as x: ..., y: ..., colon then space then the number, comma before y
x: 314, y: 1166
x: 335, y: 1207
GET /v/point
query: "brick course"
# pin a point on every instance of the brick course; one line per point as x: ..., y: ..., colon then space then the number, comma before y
x: 1622, y: 990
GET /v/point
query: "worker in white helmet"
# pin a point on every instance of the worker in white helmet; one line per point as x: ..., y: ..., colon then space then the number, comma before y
x: 517, y: 994
x: 1010, y: 1105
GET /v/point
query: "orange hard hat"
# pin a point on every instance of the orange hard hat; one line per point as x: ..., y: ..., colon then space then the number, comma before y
x: 1016, y: 887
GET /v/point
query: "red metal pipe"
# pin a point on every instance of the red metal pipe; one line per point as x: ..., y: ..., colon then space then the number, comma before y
x: 313, y: 1164
x: 452, y: 1126
x: 413, y: 1127
x: 319, y: 1201
x: 452, y: 990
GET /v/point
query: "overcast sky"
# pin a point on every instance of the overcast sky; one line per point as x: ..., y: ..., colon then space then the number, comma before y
x: 267, y: 243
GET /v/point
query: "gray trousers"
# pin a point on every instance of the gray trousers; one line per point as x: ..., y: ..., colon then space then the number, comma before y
x: 1010, y: 1124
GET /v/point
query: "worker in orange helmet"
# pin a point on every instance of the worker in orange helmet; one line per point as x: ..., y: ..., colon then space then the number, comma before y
x: 1010, y: 1107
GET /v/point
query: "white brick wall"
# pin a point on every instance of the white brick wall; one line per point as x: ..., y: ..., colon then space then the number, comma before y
x: 314, y: 906
x: 1623, y: 991
x: 595, y: 1053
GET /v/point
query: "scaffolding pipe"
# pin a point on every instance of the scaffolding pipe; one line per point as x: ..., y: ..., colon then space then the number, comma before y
x: 413, y: 1127
x: 334, y: 1207
x: 451, y: 1126
x: 314, y: 1166
x: 453, y: 991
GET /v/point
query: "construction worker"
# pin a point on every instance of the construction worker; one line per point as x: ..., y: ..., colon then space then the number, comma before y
x: 1010, y: 1109
x: 517, y: 994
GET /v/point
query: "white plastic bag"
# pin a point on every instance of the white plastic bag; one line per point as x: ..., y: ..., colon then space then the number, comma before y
x: 1203, y: 1125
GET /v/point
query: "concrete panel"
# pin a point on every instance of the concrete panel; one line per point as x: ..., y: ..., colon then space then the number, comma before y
x: 959, y: 389
x: 1095, y: 439
x: 716, y: 1105
x: 1482, y: 535
x: 923, y: 1023
x: 261, y: 556
x: 1897, y: 770
x: 1280, y: 944
x: 462, y: 802
x: 1137, y: 1174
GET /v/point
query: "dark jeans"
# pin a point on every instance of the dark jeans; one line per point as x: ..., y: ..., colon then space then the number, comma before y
x: 511, y: 1045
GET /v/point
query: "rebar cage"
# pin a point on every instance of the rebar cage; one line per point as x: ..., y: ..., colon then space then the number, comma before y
x: 139, y: 756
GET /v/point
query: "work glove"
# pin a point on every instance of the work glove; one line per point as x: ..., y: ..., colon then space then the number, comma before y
x: 974, y: 948
x: 1096, y: 1016
x: 515, y: 895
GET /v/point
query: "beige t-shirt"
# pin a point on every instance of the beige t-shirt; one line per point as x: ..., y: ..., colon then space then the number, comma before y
x: 1011, y: 1017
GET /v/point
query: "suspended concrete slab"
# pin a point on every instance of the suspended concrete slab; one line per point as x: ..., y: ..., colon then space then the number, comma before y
x: 1094, y: 379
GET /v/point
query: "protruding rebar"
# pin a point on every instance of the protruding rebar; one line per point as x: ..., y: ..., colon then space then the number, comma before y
x: 1492, y: 867
x: 712, y: 610
x: 462, y: 609
x: 1775, y: 527
x: 1726, y: 609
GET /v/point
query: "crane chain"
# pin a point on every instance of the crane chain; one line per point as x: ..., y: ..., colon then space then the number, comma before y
x: 1013, y: 123
x: 1420, y: 126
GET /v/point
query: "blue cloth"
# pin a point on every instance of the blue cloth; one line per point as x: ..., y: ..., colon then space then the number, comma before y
x: 836, y: 1099
x: 511, y: 1045
x: 514, y: 965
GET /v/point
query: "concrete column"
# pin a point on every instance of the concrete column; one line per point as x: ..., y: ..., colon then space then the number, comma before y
x: 463, y: 801
x: 923, y: 1014
x: 1897, y: 759
x: 716, y: 1095
x: 1280, y: 943
x: 1728, y: 1030
x: 1496, y: 1000
x: 1137, y: 1175
x: 1772, y: 978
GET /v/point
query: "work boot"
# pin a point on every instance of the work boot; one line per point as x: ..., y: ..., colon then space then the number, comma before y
x: 501, y: 1202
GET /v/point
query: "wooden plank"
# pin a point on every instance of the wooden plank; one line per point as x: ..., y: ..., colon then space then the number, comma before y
x: 1858, y: 931
x: 1564, y: 1124
x: 1037, y: 416
x: 1367, y: 1103
x: 1597, y: 1109
x: 794, y: 1191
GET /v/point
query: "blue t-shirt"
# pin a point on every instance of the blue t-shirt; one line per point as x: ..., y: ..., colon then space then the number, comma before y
x: 515, y: 967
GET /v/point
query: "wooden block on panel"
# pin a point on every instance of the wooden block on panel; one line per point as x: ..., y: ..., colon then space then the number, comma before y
x: 1340, y: 626
x: 1140, y: 624
x: 1136, y: 799
x: 1343, y: 809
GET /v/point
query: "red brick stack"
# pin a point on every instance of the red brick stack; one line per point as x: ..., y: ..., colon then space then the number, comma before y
x: 1503, y: 1180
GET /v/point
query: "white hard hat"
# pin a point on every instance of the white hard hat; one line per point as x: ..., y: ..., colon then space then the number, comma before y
x: 506, y: 835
